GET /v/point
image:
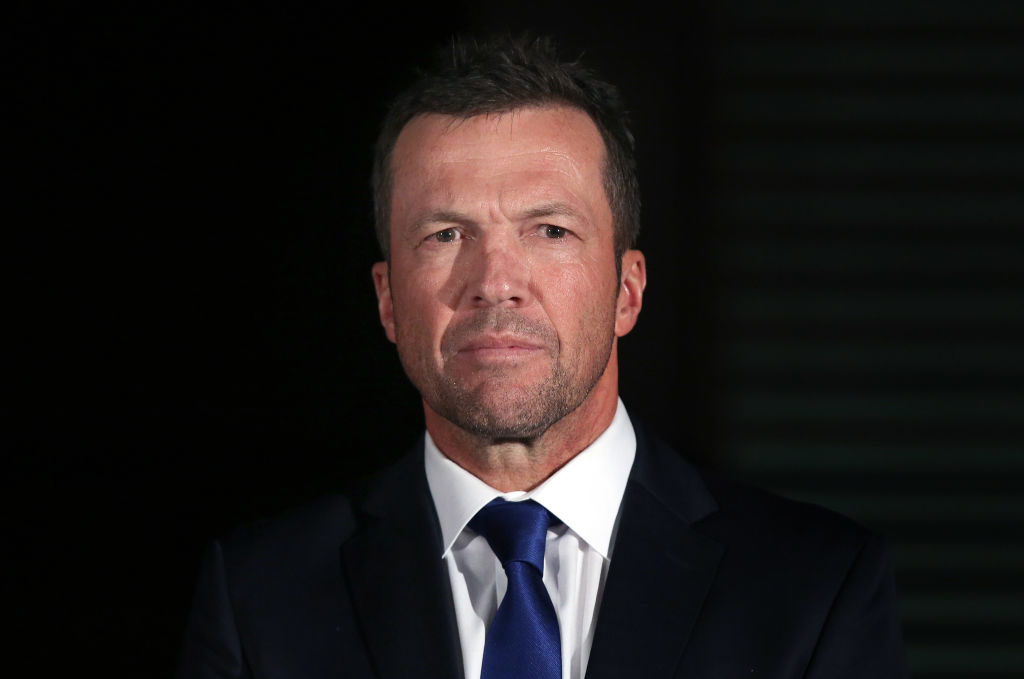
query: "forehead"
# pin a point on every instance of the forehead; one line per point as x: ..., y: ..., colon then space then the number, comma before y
x: 556, y: 139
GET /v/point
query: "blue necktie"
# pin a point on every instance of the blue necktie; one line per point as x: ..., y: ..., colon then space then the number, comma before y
x: 522, y: 641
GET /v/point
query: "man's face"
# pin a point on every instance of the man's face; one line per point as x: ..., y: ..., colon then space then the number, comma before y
x: 502, y: 289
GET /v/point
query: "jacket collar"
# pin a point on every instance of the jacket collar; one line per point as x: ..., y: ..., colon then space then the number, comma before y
x: 661, y: 571
x: 399, y: 587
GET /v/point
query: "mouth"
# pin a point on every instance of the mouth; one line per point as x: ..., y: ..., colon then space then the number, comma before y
x: 499, y: 347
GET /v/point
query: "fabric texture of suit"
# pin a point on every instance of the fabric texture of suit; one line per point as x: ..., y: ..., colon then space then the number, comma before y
x: 708, y: 579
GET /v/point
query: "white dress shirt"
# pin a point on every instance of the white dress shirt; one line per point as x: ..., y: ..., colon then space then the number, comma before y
x: 585, y: 495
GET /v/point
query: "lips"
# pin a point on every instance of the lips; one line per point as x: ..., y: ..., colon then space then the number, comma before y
x: 500, y: 343
x: 498, y: 333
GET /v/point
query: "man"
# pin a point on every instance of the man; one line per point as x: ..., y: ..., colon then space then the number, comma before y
x: 536, y: 531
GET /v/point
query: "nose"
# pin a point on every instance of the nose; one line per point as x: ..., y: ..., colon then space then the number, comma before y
x: 499, y: 276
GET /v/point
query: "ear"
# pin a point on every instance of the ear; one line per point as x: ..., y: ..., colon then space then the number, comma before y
x: 385, y: 306
x: 631, y: 291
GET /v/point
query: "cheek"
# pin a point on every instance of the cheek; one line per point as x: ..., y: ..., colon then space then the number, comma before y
x: 420, y: 317
x: 579, y: 299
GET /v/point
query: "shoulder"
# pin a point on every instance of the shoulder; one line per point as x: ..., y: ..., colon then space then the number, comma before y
x: 790, y: 552
x: 787, y: 539
x: 757, y: 513
x: 792, y: 541
x: 787, y: 575
x: 309, y: 522
x: 312, y: 532
x: 751, y: 522
x: 298, y: 539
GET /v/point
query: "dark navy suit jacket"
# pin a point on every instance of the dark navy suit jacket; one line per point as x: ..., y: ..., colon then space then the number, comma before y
x: 708, y: 579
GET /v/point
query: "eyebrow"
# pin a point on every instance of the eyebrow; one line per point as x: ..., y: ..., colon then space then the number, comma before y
x: 553, y: 208
x: 440, y: 217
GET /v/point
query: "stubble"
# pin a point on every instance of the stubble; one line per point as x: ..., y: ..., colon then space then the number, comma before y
x: 496, y: 403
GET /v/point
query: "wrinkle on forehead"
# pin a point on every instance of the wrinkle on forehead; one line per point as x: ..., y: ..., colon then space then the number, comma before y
x: 517, y: 158
x: 483, y: 129
x: 547, y: 164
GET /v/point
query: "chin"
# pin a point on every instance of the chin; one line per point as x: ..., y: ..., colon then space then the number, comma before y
x: 503, y: 426
x: 505, y: 410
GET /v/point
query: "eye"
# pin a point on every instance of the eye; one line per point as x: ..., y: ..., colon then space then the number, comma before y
x: 445, y: 235
x: 552, y: 231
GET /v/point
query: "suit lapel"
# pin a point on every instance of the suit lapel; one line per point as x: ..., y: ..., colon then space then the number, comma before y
x: 398, y: 583
x: 661, y: 569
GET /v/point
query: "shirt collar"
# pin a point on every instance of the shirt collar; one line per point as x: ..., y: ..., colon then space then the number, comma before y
x: 585, y: 493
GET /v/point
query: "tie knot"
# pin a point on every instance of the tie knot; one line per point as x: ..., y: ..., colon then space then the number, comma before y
x: 516, y: 531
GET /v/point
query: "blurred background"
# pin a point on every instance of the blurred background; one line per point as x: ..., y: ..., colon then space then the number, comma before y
x: 834, y: 226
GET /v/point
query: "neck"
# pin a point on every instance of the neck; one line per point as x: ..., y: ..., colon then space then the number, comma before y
x: 525, y: 464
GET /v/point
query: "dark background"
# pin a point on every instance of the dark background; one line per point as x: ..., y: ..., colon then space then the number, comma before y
x: 833, y: 225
